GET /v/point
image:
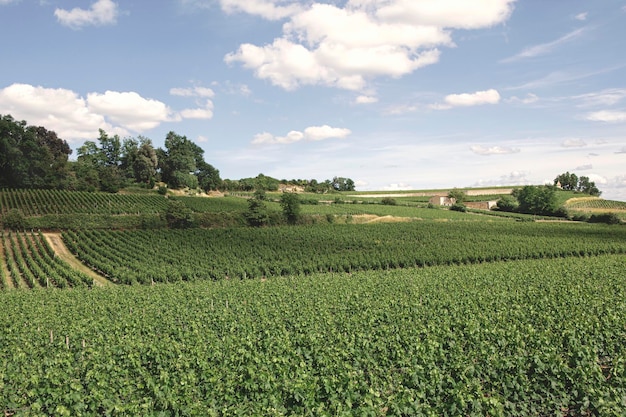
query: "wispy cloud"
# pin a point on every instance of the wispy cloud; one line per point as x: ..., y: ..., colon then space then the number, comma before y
x: 573, y: 143
x: 581, y: 16
x: 544, y: 48
x: 493, y: 150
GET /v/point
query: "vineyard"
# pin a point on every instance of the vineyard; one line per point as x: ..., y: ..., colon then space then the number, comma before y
x: 31, y: 263
x: 139, y: 256
x: 595, y: 204
x: 43, y: 202
x: 521, y: 338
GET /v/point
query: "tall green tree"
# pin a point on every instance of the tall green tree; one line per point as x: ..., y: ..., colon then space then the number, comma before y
x: 32, y: 156
x: 290, y: 203
x: 540, y: 200
x: 178, y: 161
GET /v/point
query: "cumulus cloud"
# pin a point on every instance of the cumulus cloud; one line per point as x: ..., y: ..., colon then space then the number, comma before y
x: 610, y: 116
x: 545, y: 48
x: 573, y: 143
x: 204, y: 109
x: 102, y: 12
x: 129, y: 109
x: 469, y: 99
x: 344, y: 47
x: 76, y: 118
x: 493, y: 150
x: 312, y: 133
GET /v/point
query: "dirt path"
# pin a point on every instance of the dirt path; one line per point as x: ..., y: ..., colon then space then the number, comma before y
x: 56, y: 243
x: 5, y: 270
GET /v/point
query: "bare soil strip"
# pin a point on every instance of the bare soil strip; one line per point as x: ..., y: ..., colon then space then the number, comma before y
x: 56, y: 243
x: 5, y: 270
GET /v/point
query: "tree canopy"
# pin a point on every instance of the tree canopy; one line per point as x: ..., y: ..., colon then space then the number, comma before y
x: 571, y: 182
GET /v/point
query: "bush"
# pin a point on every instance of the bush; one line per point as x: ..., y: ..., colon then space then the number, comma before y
x: 458, y: 207
x: 607, y: 218
x: 507, y: 203
x: 14, y: 220
x: 162, y: 190
x: 178, y: 215
x: 388, y: 201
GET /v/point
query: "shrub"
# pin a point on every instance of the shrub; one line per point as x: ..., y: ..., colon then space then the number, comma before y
x: 14, y: 220
x: 388, y: 201
x: 458, y: 207
x: 608, y: 218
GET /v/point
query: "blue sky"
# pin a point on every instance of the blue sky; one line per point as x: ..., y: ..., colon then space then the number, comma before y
x: 395, y: 94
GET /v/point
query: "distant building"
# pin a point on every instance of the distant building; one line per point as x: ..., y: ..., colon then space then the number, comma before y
x: 442, y: 200
x: 482, y: 205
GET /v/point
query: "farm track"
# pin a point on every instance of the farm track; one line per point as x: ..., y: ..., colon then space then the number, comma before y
x: 56, y: 243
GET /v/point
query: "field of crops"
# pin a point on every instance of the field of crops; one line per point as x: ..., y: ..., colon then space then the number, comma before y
x: 28, y: 261
x: 521, y: 338
x: 43, y: 202
x: 139, y: 256
x: 595, y: 204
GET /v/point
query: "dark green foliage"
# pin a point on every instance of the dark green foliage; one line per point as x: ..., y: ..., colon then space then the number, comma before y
x: 571, y: 182
x: 607, y: 218
x: 178, y: 215
x: 458, y: 207
x: 458, y: 195
x: 389, y: 201
x: 342, y: 184
x: 32, y: 157
x: 290, y: 203
x: 508, y: 203
x: 257, y: 214
x: 13, y: 219
x: 538, y: 200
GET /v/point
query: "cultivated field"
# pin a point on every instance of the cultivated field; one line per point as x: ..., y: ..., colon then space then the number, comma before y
x: 364, y: 309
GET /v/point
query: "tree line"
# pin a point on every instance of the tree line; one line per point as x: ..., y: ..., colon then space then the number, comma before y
x: 34, y: 157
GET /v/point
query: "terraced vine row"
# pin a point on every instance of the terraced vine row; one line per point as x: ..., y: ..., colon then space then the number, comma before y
x: 43, y: 202
x: 522, y: 338
x: 170, y: 255
x: 596, y: 204
x: 31, y: 263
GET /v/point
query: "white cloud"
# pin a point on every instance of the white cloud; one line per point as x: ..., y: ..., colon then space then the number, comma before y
x: 469, y: 99
x: 363, y: 99
x: 581, y: 16
x: 102, y: 12
x: 3, y: 2
x: 202, y: 139
x: 608, y: 116
x: 573, y: 143
x: 344, y: 47
x: 129, y: 109
x: 317, y: 133
x: 545, y: 48
x: 493, y: 150
x: 192, y: 92
x: 60, y: 110
x: 268, y: 9
x: 312, y: 133
x: 205, y: 112
x: 585, y: 167
x: 76, y: 118
x: 459, y: 14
